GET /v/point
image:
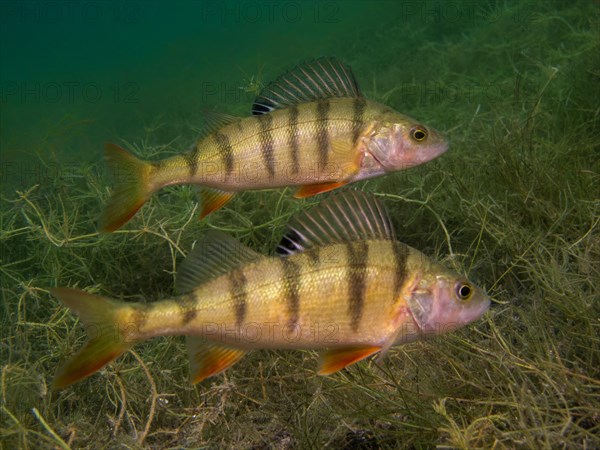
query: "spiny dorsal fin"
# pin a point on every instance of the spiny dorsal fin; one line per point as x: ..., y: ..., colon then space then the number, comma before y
x: 217, y: 253
x: 343, y: 217
x: 307, y: 82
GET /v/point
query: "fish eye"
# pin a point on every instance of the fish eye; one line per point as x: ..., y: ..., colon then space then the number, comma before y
x: 418, y: 133
x: 464, y: 291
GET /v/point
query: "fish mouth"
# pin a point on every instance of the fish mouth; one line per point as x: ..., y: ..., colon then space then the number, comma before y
x: 469, y: 316
x: 441, y: 148
x: 434, y: 152
x: 485, y: 306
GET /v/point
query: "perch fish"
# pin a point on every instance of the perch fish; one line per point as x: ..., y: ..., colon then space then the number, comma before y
x: 341, y: 284
x: 311, y: 128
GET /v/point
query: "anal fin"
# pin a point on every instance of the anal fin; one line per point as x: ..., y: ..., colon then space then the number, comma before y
x: 336, y: 359
x: 209, y: 358
x: 314, y: 189
x: 213, y: 199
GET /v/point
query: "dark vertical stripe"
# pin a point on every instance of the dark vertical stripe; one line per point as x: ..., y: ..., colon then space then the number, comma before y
x: 400, y: 252
x: 191, y: 160
x: 267, y: 145
x: 359, y: 105
x: 159, y: 165
x: 188, y: 309
x: 225, y: 150
x: 323, y: 132
x: 291, y: 283
x: 293, y: 142
x: 314, y: 255
x: 358, y: 256
x: 239, y: 294
x: 135, y: 324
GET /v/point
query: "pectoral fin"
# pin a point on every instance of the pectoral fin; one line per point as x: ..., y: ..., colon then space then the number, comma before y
x: 336, y: 359
x: 389, y: 343
x: 208, y: 358
x: 343, y: 165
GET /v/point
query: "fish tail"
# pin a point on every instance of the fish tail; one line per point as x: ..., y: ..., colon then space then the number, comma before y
x: 132, y: 187
x: 108, y: 334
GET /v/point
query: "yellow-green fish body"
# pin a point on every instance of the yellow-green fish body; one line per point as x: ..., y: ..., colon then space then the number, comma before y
x: 310, y: 128
x: 343, y: 294
x: 342, y: 285
x: 325, y: 141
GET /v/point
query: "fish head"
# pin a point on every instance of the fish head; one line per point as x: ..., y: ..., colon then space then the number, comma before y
x: 442, y: 300
x: 397, y: 142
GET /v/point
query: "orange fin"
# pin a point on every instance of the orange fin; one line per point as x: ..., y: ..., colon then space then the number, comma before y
x: 213, y: 199
x: 208, y: 358
x: 132, y: 187
x: 106, y: 343
x: 314, y: 189
x: 336, y: 359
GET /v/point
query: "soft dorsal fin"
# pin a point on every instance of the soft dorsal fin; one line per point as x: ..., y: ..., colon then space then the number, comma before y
x: 343, y: 217
x: 307, y: 82
x: 214, y: 120
x: 217, y: 253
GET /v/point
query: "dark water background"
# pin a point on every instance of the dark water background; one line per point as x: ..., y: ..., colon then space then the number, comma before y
x: 77, y: 74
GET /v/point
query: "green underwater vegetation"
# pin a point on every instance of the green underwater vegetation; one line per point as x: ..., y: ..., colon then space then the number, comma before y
x: 514, y: 204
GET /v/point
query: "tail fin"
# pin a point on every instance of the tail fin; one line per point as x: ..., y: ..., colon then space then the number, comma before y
x: 108, y: 339
x: 132, y: 187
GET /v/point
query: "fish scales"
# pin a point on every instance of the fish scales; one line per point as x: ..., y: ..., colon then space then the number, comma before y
x: 291, y: 146
x: 283, y: 303
x: 293, y: 138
